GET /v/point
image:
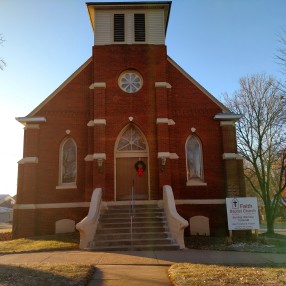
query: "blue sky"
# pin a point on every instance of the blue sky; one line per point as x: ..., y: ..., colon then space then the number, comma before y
x: 215, y: 41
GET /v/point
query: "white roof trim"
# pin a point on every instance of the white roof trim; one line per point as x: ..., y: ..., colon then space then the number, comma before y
x: 29, y: 160
x: 28, y: 120
x: 227, y: 116
x: 222, y: 106
x: 64, y: 84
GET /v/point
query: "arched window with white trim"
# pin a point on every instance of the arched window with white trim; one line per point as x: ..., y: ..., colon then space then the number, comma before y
x: 68, y: 162
x: 194, y: 161
x: 132, y: 140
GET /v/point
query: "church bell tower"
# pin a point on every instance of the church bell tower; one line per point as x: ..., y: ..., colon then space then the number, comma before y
x: 129, y: 88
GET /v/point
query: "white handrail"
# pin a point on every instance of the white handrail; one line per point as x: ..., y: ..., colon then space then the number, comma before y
x: 176, y: 223
x: 87, y: 227
x: 131, y: 211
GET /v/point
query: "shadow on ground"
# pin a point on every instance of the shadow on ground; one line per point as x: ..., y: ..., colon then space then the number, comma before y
x: 45, y: 274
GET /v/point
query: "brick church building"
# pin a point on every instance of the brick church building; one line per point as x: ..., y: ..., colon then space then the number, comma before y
x: 128, y: 118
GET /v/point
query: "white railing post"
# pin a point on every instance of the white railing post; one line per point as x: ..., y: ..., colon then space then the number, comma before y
x: 87, y: 227
x: 176, y: 223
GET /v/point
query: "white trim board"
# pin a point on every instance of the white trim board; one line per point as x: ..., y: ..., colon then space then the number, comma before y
x: 51, y: 206
x: 110, y: 203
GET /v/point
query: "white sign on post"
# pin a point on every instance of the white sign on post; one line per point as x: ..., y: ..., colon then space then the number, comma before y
x: 242, y: 213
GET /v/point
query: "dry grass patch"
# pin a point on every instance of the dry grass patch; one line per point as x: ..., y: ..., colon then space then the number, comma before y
x: 45, y: 274
x: 41, y: 243
x: 263, y: 243
x: 5, y: 235
x: 184, y: 274
x: 5, y: 227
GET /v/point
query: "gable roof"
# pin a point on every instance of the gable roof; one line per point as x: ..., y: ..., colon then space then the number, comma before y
x: 170, y: 60
x: 201, y: 88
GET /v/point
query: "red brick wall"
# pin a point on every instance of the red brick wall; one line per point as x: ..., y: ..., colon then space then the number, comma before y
x: 190, y: 107
x: 215, y: 213
x: 73, y: 107
x: 43, y: 221
x: 150, y: 61
x: 68, y: 110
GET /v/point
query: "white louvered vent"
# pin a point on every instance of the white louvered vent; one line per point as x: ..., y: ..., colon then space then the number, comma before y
x: 155, y: 27
x: 103, y: 28
x: 132, y: 27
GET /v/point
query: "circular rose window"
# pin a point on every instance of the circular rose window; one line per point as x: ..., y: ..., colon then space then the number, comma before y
x: 130, y: 81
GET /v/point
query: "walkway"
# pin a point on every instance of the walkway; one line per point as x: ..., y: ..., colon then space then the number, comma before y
x: 140, y: 267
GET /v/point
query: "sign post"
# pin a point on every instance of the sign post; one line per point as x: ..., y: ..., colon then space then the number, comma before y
x: 242, y: 213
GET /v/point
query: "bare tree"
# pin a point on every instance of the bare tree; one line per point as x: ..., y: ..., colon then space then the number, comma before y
x: 261, y: 138
x: 281, y: 55
x: 2, y: 62
x: 281, y: 60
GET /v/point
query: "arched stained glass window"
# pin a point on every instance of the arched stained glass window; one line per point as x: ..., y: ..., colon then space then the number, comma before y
x: 68, y: 162
x: 131, y: 140
x: 194, y: 158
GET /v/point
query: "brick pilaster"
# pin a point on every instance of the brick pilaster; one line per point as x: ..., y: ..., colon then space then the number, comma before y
x: 27, y: 179
x: 163, y: 138
x: 230, y: 158
x: 99, y: 130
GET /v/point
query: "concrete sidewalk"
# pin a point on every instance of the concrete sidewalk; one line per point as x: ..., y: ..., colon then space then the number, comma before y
x: 140, y: 267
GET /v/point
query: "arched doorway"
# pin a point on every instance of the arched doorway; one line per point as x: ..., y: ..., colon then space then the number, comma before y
x: 131, y: 147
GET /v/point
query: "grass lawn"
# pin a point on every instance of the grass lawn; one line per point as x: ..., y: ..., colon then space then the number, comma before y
x: 45, y: 274
x: 41, y: 243
x: 185, y: 274
x: 268, y: 244
x: 181, y: 274
x: 39, y: 273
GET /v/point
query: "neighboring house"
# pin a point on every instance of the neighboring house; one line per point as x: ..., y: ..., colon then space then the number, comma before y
x: 7, y: 201
x: 130, y: 115
x: 6, y: 208
x: 6, y: 215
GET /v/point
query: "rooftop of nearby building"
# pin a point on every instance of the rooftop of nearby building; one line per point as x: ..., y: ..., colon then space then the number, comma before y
x: 7, y: 201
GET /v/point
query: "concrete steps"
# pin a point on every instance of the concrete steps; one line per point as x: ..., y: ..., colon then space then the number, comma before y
x: 148, y: 230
